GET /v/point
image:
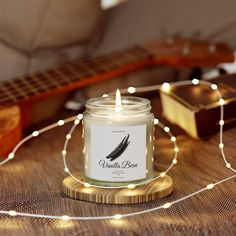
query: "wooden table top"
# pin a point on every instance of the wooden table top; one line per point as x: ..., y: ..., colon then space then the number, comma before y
x: 32, y: 183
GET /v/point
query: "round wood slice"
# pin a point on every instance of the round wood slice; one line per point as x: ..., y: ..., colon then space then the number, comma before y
x: 144, y: 193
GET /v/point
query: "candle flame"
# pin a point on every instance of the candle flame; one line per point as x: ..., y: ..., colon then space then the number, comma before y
x: 118, y: 101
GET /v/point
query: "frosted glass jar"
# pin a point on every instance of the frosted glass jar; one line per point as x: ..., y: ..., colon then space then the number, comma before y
x: 118, y: 145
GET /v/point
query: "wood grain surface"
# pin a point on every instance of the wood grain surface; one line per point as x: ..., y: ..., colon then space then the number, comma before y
x: 157, y: 189
x: 32, y: 183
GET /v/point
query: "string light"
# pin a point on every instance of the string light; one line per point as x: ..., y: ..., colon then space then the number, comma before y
x: 221, y: 101
x: 221, y: 145
x: 195, y: 81
x: 165, y: 87
x: 167, y: 205
x: 131, y: 186
x: 35, y: 134
x: 221, y: 122
x: 210, y: 186
x: 65, y: 217
x: 176, y: 149
x: 87, y: 185
x: 131, y: 90
x: 60, y: 122
x: 214, y: 86
x: 11, y: 155
x: 76, y: 120
x: 117, y: 216
x: 173, y: 138
x: 12, y: 213
x: 163, y: 174
x: 167, y: 129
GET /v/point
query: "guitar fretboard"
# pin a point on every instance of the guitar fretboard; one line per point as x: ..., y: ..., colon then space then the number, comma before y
x: 82, y: 70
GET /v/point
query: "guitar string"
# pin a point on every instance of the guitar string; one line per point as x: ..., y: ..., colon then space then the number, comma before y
x: 119, y: 216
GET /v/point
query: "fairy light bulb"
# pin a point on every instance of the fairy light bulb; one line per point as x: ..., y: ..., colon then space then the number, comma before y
x: 61, y: 122
x: 195, y: 81
x: 118, y: 101
x: 214, y: 86
x: 87, y: 185
x: 12, y: 213
x: 167, y: 205
x: 156, y: 121
x: 63, y: 152
x: 174, y: 161
x: 68, y: 136
x: 35, y: 133
x: 65, y: 217
x: 163, y: 174
x: 221, y: 122
x: 221, y: 145
x: 117, y: 216
x: 76, y: 122
x: 131, y: 90
x: 176, y: 149
x: 221, y: 101
x: 66, y: 170
x: 105, y: 95
x: 173, y: 138
x: 167, y: 129
x: 11, y: 155
x: 165, y: 87
x: 210, y: 186
x: 228, y: 165
x: 80, y: 116
x: 130, y: 186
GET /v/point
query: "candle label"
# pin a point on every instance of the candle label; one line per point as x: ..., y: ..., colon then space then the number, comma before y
x: 117, y: 153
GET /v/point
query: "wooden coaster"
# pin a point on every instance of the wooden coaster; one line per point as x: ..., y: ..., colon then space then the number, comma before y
x: 144, y: 193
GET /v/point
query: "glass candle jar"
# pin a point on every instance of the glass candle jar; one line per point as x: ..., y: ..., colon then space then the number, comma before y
x: 118, y: 143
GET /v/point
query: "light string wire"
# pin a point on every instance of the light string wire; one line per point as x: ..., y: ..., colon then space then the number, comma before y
x: 166, y: 87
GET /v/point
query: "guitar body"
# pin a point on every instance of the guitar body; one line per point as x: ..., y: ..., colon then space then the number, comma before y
x: 10, y: 129
x: 29, y: 99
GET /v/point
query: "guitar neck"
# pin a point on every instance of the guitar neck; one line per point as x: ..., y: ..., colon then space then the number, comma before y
x: 72, y: 75
x: 83, y: 72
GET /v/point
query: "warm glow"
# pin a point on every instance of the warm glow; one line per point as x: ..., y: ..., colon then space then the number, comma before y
x: 131, y: 186
x: 167, y: 205
x: 87, y: 185
x: 210, y: 186
x: 163, y: 174
x: 61, y: 122
x: 221, y: 145
x: 214, y: 86
x: 156, y: 121
x: 221, y: 101
x: 12, y: 213
x: 80, y: 116
x: 173, y: 138
x: 118, y: 216
x: 221, y: 122
x: 65, y: 217
x: 131, y: 90
x: 11, y: 155
x: 228, y: 165
x: 165, y: 87
x: 118, y: 101
x: 195, y: 81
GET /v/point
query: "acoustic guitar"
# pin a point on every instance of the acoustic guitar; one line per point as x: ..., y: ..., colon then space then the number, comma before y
x: 18, y: 96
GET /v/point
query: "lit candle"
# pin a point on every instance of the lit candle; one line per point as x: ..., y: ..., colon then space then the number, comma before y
x: 118, y: 140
